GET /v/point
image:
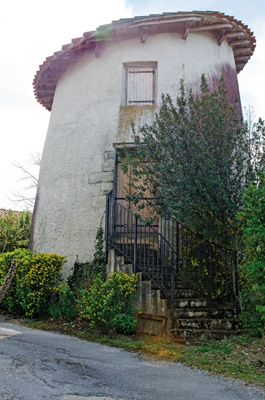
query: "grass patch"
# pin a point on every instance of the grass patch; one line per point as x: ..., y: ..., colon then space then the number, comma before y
x: 240, y: 357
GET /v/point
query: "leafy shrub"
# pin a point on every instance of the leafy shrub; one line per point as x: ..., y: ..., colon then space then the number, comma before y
x: 125, y: 323
x: 14, y: 230
x: 65, y: 308
x: 55, y: 310
x: 82, y: 277
x: 106, y: 301
x: 253, y: 268
x: 250, y: 318
x: 34, y: 281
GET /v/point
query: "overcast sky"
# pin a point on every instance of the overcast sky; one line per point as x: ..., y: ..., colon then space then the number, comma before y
x: 32, y: 30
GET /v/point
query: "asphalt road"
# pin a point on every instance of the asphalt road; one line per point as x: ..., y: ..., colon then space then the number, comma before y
x: 38, y: 365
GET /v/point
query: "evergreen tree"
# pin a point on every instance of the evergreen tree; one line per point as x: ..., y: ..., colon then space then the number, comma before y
x: 199, y: 159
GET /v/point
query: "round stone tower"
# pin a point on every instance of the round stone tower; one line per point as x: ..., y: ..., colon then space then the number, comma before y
x: 95, y: 86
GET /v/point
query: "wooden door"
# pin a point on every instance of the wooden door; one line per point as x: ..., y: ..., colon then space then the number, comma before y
x: 124, y: 223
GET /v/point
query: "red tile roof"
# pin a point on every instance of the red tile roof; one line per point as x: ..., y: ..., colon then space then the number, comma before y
x: 54, y: 66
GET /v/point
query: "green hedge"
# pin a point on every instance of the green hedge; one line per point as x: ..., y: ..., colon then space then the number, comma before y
x: 109, y: 304
x: 33, y: 283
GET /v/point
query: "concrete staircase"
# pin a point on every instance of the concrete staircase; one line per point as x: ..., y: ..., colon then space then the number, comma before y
x: 200, y: 317
x: 196, y: 317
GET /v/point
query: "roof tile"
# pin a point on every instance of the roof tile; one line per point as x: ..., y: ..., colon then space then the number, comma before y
x: 75, y: 47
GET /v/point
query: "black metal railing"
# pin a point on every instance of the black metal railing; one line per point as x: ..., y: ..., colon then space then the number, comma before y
x: 171, y: 253
x: 212, y: 269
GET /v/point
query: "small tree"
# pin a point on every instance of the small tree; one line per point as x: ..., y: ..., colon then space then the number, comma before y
x: 14, y: 230
x: 200, y: 157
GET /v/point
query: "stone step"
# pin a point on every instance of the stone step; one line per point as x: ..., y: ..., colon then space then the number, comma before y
x: 198, y: 317
x: 186, y: 313
x: 201, y: 303
x: 208, y: 324
x: 182, y: 293
x: 190, y: 334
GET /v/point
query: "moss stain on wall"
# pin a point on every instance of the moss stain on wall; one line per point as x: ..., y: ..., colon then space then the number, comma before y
x: 137, y: 114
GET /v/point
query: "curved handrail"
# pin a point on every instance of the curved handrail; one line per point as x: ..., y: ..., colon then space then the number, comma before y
x: 159, y: 254
x: 150, y: 227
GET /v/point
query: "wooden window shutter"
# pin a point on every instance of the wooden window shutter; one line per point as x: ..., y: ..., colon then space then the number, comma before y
x: 140, y: 85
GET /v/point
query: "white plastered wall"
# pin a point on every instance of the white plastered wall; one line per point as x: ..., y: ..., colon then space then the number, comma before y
x: 88, y: 116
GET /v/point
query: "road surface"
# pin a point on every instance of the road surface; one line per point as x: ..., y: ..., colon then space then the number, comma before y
x: 38, y: 365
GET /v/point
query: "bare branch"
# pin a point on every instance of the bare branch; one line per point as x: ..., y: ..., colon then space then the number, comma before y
x: 30, y: 169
